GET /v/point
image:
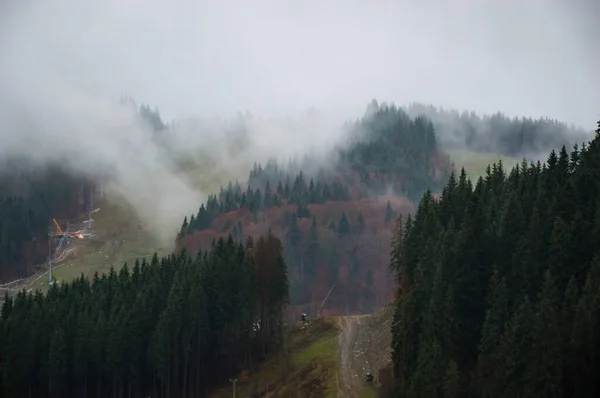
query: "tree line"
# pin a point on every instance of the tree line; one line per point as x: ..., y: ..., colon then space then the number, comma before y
x: 500, y: 283
x: 390, y: 150
x: 387, y: 151
x: 234, y: 198
x: 175, y: 326
x: 319, y: 247
x: 499, y: 133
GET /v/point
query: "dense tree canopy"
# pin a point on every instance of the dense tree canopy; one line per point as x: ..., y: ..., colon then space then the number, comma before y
x: 499, y: 279
x: 386, y: 153
x: 500, y: 284
x: 499, y: 133
x: 392, y: 151
x: 171, y: 327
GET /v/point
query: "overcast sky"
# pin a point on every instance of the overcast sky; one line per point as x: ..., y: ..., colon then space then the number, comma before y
x: 528, y: 57
x: 62, y: 61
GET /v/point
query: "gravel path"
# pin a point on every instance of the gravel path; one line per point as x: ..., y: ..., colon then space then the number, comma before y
x: 351, y: 374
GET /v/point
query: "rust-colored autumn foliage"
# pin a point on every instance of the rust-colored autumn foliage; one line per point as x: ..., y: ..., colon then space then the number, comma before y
x: 361, y: 271
x: 335, y: 220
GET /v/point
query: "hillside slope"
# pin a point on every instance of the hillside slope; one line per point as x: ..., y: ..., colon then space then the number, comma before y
x: 325, y: 357
x: 388, y: 155
x: 30, y: 198
x: 119, y: 237
x: 365, y: 347
x: 498, y: 133
x: 476, y: 163
x: 499, y: 283
x: 335, y: 217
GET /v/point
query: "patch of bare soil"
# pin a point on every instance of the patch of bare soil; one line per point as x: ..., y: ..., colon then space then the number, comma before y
x: 349, y: 382
x: 364, y: 347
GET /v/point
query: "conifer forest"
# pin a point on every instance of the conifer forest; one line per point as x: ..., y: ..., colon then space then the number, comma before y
x: 175, y: 326
x: 500, y: 283
x: 495, y: 282
x: 299, y: 199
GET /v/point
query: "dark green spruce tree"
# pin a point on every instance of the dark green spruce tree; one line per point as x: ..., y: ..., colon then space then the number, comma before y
x: 499, y: 284
x: 176, y: 326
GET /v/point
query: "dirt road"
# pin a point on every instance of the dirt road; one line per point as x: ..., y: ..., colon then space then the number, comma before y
x: 364, y: 346
x: 351, y: 374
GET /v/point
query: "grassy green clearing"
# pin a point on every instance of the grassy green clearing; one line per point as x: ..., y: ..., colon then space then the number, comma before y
x: 475, y: 163
x: 120, y: 237
x: 307, y: 368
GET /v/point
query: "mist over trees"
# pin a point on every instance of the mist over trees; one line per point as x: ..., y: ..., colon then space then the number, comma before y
x: 498, y: 133
x: 499, y: 283
x: 175, y: 326
x: 333, y: 217
x: 470, y: 321
x: 30, y: 196
x: 35, y: 190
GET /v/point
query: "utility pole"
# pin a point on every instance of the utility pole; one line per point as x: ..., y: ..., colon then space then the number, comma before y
x: 89, y: 223
x: 233, y: 381
x: 50, y: 278
x: 91, y: 207
x: 326, y: 297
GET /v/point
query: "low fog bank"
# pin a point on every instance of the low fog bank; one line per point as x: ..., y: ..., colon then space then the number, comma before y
x: 63, y: 63
x: 271, y: 58
x: 498, y: 133
x: 55, y: 109
x: 247, y: 138
x: 94, y: 139
x: 165, y: 173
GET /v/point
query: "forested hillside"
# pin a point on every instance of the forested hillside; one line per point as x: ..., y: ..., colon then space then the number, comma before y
x: 335, y: 219
x: 500, y: 284
x: 34, y: 191
x: 498, y: 133
x: 177, y: 326
x: 498, y: 281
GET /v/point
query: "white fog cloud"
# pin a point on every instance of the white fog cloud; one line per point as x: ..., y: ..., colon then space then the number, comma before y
x: 62, y: 63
